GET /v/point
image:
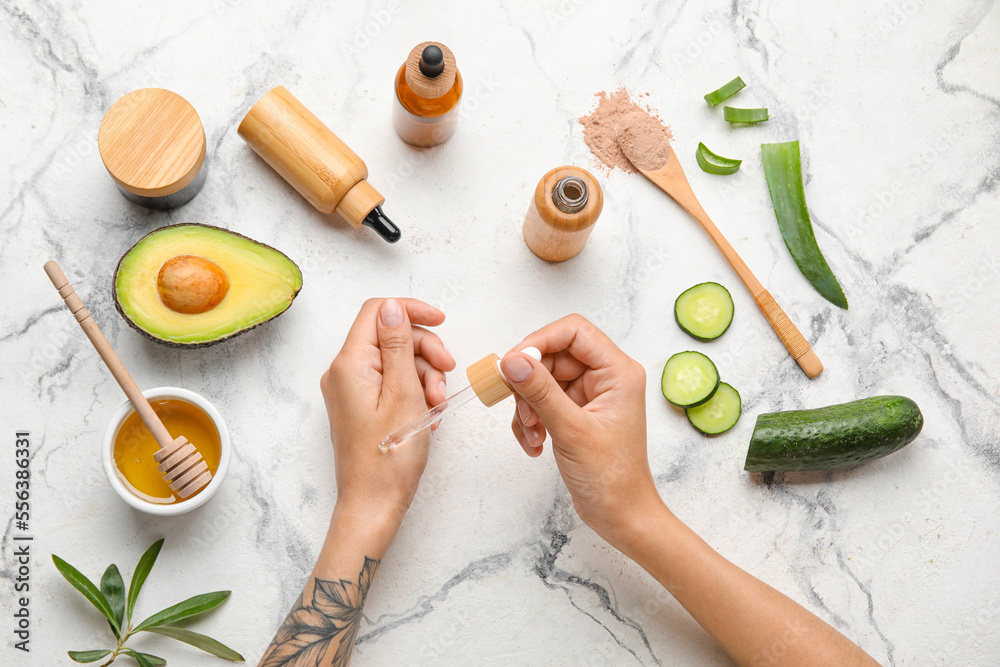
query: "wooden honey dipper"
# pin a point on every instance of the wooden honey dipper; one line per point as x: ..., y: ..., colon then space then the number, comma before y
x: 180, y: 462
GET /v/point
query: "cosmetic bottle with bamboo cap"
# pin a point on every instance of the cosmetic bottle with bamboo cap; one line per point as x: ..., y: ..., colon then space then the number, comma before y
x: 153, y: 145
x: 566, y: 204
x: 428, y: 90
x: 314, y: 161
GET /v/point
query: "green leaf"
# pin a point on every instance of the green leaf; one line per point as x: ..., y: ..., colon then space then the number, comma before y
x: 198, y: 604
x: 143, y: 659
x: 712, y: 163
x: 89, y: 656
x: 749, y: 116
x: 113, y: 589
x: 89, y: 591
x: 206, y: 644
x: 783, y: 172
x: 725, y: 92
x: 140, y: 574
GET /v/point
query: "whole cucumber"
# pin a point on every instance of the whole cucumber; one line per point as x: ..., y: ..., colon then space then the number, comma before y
x: 833, y: 437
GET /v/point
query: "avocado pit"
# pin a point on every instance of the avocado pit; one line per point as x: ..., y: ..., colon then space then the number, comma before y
x: 190, y: 284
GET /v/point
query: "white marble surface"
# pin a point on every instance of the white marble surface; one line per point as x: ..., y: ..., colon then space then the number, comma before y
x: 897, y: 106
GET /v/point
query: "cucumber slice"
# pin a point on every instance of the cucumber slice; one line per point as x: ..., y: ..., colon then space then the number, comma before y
x: 704, y: 311
x: 719, y: 414
x: 689, y: 379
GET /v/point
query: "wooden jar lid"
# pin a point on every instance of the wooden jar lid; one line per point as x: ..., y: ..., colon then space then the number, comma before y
x: 152, y: 142
x: 423, y: 85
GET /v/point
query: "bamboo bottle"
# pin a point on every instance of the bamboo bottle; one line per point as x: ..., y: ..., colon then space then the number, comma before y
x: 566, y: 204
x: 314, y: 161
x: 428, y: 90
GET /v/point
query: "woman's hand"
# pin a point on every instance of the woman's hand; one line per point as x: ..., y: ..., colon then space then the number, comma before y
x: 390, y: 370
x: 590, y: 397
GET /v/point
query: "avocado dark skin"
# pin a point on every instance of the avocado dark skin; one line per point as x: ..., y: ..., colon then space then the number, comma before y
x: 198, y: 344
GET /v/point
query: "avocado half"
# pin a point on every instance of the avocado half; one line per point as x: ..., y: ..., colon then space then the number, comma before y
x: 194, y: 285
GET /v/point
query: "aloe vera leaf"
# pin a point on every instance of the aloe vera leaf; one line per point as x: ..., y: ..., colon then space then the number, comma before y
x: 750, y: 116
x: 783, y: 171
x: 725, y: 92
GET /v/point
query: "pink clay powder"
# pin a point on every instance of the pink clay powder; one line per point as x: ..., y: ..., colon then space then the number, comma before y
x: 616, y: 123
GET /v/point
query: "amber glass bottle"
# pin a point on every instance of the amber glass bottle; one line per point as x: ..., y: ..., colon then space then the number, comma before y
x: 428, y: 90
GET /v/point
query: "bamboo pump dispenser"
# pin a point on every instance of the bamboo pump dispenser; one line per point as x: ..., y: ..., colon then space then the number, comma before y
x: 314, y: 161
x: 561, y: 215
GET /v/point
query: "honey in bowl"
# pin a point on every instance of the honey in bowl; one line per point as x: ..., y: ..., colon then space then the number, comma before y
x: 135, y: 446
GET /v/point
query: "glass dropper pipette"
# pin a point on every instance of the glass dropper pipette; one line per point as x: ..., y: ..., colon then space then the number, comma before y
x: 489, y: 382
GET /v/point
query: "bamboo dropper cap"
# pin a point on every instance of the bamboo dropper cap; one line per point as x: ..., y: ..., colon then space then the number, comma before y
x: 315, y: 161
x: 430, y: 69
x: 487, y: 379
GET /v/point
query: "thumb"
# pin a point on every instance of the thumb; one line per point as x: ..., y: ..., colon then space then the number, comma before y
x: 395, y: 340
x: 533, y: 382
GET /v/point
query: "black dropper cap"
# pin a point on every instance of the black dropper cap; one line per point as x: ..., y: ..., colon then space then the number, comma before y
x: 382, y: 225
x: 431, y: 60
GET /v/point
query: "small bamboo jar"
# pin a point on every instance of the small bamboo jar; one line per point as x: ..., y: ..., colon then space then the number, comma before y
x: 153, y: 145
x: 314, y: 161
x: 566, y: 204
x: 428, y: 90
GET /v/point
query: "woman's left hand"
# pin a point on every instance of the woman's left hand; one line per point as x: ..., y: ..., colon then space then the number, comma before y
x: 390, y: 370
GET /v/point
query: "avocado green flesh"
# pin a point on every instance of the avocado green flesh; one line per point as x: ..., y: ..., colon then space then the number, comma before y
x: 833, y: 437
x: 263, y: 282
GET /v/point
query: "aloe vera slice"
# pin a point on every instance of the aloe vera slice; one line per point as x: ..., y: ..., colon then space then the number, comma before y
x: 783, y: 171
x: 737, y: 115
x: 724, y: 93
x: 711, y: 163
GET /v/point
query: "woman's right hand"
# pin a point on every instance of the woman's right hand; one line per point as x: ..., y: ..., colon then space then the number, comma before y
x: 591, y: 399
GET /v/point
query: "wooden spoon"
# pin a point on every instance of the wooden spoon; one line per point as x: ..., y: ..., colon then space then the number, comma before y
x: 181, y: 464
x: 670, y: 178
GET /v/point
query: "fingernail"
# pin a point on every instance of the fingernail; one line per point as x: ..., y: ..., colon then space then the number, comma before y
x: 392, y: 313
x: 531, y: 434
x: 443, y: 389
x: 450, y: 355
x: 516, y: 369
x: 523, y: 410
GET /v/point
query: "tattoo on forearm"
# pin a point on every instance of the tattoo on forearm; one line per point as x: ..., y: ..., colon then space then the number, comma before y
x: 322, y: 633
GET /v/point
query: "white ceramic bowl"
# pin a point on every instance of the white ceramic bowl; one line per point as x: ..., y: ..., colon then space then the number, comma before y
x: 107, y: 453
